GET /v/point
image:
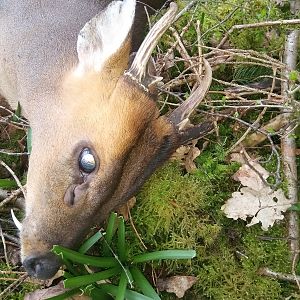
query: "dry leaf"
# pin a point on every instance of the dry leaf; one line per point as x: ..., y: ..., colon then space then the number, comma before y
x: 176, y: 284
x: 252, y: 176
x: 187, y: 154
x: 264, y: 205
x: 169, y: 60
x: 189, y: 164
x: 51, y: 292
x: 256, y: 199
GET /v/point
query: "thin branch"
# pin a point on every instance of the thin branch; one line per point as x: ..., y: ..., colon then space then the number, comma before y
x: 288, y: 146
x: 276, y: 275
x: 14, y: 176
x: 11, y: 197
x: 257, y: 25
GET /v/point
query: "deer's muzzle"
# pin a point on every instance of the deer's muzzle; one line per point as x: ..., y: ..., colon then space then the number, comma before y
x: 42, y: 266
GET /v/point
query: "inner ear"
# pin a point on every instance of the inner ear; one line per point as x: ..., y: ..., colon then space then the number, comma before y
x: 104, y: 35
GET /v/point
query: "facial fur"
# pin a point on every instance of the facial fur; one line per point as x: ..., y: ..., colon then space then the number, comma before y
x: 122, y: 126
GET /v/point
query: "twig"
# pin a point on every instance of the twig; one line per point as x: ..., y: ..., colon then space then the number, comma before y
x: 12, y: 196
x: 288, y: 147
x: 247, y: 88
x: 4, y: 246
x: 294, y: 264
x: 2, y: 151
x: 14, y: 285
x: 269, y: 137
x: 12, y: 238
x: 11, y: 272
x: 221, y: 22
x: 257, y: 25
x: 276, y: 275
x: 14, y: 176
x: 273, y: 126
x: 184, y: 52
x: 187, y: 8
x: 134, y: 229
x: 240, y: 140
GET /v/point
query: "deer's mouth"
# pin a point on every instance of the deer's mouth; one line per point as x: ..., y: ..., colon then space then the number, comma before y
x: 42, y: 266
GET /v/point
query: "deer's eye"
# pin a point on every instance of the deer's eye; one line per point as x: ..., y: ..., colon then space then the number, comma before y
x: 87, y: 162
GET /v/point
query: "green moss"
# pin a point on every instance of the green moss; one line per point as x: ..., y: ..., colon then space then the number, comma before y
x: 19, y: 292
x: 10, y: 141
x: 178, y: 210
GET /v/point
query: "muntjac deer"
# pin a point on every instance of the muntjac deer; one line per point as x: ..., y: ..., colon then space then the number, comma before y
x: 97, y: 133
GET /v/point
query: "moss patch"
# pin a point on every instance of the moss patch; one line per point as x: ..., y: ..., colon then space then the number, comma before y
x: 177, y: 210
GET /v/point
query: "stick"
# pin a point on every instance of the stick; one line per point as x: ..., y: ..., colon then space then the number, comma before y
x: 257, y: 25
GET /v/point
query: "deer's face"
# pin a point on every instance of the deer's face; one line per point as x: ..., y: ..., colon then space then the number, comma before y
x: 91, y: 161
x: 98, y: 147
x: 103, y: 142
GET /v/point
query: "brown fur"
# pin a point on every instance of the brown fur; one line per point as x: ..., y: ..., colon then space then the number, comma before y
x: 105, y: 111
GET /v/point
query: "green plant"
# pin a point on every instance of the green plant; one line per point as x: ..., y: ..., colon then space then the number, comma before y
x: 115, y: 265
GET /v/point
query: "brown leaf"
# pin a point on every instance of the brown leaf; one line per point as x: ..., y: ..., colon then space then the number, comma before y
x: 51, y: 292
x: 176, y: 284
x: 189, y: 164
x: 187, y: 154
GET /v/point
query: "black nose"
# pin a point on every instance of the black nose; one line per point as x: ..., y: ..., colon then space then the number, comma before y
x: 42, y: 266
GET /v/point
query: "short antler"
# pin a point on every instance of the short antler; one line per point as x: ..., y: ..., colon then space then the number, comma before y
x: 180, y: 115
x: 139, y: 64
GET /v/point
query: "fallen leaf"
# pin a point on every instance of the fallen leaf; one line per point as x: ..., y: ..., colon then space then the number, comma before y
x: 189, y: 164
x: 264, y: 206
x: 256, y: 199
x: 176, y: 284
x: 125, y: 209
x: 169, y: 60
x: 51, y: 292
x: 187, y: 154
x: 251, y: 175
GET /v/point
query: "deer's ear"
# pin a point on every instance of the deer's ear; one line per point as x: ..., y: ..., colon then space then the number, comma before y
x: 104, y: 35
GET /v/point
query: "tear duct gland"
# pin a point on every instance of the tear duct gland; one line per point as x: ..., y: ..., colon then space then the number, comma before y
x: 100, y: 107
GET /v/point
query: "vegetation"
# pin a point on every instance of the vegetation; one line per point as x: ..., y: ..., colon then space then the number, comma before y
x: 115, y: 265
x: 177, y: 209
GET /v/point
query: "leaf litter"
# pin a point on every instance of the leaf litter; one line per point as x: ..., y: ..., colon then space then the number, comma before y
x: 255, y: 200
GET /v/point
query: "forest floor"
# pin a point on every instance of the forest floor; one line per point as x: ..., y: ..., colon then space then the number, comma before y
x: 229, y: 195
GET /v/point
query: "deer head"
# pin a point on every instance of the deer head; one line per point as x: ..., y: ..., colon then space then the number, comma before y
x: 104, y: 139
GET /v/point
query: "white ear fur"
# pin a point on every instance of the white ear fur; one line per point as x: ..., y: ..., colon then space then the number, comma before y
x: 103, y: 35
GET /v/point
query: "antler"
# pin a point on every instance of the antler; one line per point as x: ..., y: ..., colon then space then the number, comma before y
x: 180, y: 115
x: 138, y: 67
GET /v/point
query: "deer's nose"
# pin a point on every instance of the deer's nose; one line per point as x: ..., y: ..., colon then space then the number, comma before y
x: 42, y: 266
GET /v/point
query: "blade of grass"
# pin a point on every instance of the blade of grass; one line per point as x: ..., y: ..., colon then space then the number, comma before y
x: 104, y: 262
x: 121, y: 245
x: 122, y: 287
x: 29, y: 140
x: 95, y: 293
x: 67, y: 274
x: 110, y: 230
x: 129, y: 295
x: 91, y: 278
x: 98, y: 294
x: 90, y: 242
x: 144, y: 284
x: 165, y: 254
x: 65, y: 295
x: 7, y: 183
x: 16, y: 116
x: 70, y: 267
